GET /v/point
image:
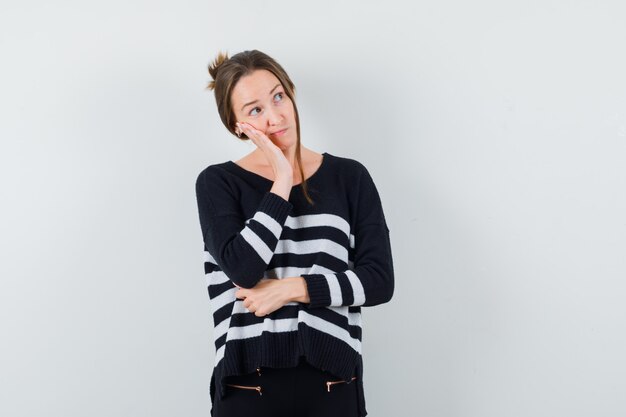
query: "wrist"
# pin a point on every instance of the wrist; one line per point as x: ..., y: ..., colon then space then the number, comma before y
x: 297, y: 290
x: 282, y: 189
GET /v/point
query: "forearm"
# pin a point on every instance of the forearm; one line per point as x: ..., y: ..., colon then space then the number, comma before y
x: 281, y: 188
x: 296, y: 289
x: 369, y: 282
x: 241, y: 247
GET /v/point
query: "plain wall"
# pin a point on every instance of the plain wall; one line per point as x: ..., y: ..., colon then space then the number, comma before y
x: 494, y: 131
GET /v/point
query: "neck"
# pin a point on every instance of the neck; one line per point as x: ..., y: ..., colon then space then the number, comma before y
x: 290, y: 154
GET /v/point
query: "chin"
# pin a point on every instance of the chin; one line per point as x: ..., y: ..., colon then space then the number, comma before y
x: 284, y: 144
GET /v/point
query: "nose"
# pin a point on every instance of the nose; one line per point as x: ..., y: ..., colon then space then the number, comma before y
x: 273, y: 117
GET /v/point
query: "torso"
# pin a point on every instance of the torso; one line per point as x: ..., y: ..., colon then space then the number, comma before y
x: 311, y: 161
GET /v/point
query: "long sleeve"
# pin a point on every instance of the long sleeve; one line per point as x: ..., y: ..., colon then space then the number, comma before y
x: 371, y: 280
x: 242, y: 248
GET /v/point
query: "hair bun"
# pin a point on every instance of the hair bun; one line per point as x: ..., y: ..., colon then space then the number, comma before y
x: 214, y: 67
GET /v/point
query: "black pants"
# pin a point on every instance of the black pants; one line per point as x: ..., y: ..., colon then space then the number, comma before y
x: 302, y: 391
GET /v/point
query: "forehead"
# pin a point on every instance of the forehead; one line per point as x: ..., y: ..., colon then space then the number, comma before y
x: 256, y: 85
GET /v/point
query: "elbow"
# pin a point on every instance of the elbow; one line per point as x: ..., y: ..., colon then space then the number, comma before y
x: 247, y: 284
x: 240, y: 273
x: 391, y: 281
x: 389, y: 294
x: 384, y: 294
x: 242, y: 279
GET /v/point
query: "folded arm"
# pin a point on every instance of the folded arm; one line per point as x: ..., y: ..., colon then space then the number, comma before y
x: 371, y: 279
x: 242, y: 248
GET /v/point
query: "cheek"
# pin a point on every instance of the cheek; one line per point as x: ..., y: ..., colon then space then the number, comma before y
x: 249, y: 120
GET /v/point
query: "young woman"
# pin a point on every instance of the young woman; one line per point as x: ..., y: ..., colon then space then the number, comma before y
x: 295, y: 243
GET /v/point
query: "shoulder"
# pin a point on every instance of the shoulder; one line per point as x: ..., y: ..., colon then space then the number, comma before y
x: 352, y: 171
x: 217, y: 189
x: 214, y: 171
x: 348, y: 166
x: 214, y: 174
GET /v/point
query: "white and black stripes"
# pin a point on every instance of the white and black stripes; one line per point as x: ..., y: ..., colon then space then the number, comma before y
x: 255, y: 233
x: 345, y: 289
x: 229, y: 239
x: 340, y: 246
x: 223, y: 295
x: 367, y: 282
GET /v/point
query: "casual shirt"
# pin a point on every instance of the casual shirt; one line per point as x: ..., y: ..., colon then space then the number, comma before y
x: 339, y: 244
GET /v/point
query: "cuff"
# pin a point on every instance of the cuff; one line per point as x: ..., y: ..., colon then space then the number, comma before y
x: 275, y: 206
x: 318, y: 289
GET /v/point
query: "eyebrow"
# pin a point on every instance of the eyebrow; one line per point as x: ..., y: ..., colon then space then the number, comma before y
x: 252, y: 102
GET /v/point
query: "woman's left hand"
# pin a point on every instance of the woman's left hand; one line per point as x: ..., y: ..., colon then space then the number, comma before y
x: 267, y: 296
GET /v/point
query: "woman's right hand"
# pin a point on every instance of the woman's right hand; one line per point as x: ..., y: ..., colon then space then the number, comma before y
x: 283, y: 171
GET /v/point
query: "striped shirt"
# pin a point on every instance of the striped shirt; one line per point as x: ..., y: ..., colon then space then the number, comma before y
x: 340, y: 245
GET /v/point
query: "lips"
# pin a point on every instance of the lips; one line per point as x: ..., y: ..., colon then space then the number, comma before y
x: 278, y: 132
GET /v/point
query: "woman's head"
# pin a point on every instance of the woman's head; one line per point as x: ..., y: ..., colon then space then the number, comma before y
x: 252, y: 87
x: 260, y: 100
x: 252, y: 76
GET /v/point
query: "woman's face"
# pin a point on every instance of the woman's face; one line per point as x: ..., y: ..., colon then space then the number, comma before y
x: 260, y: 100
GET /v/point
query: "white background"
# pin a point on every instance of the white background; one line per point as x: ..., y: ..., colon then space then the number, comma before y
x: 495, y: 132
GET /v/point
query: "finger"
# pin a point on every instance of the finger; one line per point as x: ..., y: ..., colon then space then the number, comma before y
x: 252, y: 132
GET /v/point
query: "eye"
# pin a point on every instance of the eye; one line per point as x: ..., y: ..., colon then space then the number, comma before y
x: 280, y: 94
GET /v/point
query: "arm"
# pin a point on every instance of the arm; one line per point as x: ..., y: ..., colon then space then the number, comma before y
x: 371, y: 280
x: 242, y: 248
